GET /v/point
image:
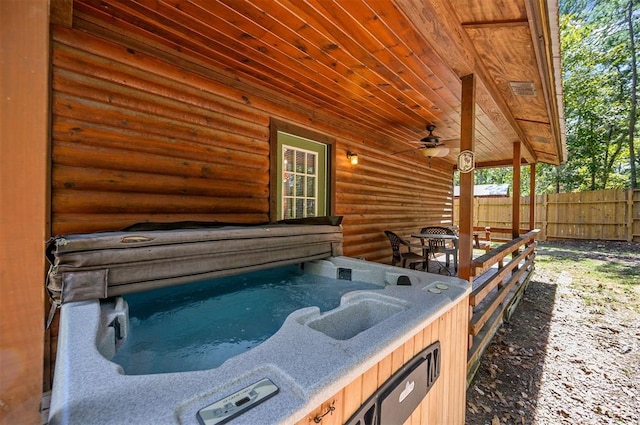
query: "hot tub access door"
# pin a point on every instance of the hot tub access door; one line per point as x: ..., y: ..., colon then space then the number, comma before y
x: 401, y: 394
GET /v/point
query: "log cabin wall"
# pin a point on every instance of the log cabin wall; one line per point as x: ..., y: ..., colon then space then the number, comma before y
x: 138, y: 136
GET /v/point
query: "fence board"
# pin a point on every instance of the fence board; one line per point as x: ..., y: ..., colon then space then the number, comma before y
x: 634, y: 215
x: 598, y: 215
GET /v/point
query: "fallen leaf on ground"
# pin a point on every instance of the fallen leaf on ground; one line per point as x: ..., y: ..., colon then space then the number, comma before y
x: 486, y: 408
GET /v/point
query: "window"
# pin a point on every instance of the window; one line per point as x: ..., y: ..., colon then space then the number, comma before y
x: 301, y: 171
x: 300, y: 174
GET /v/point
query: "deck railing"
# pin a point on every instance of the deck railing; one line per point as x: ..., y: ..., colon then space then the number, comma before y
x: 500, y: 277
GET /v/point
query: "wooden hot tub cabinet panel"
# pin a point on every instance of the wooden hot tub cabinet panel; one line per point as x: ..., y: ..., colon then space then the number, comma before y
x: 445, y: 401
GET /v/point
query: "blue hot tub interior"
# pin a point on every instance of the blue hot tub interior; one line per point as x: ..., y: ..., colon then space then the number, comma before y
x: 199, y: 325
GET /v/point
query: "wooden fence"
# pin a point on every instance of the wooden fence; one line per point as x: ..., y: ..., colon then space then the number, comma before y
x: 598, y: 215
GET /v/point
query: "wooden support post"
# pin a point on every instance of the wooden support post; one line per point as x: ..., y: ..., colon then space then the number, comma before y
x: 24, y: 159
x: 532, y: 196
x: 515, y: 216
x: 467, y: 136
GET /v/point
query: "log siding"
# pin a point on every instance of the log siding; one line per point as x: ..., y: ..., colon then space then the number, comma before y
x: 136, y: 137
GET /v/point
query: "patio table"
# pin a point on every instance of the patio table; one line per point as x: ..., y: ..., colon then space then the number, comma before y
x: 433, y: 236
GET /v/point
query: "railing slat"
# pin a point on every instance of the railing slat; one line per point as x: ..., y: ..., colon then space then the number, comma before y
x: 477, y: 324
x: 483, y: 290
x: 484, y: 262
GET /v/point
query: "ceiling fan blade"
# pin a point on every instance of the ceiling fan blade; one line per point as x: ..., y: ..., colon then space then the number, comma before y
x: 407, y: 150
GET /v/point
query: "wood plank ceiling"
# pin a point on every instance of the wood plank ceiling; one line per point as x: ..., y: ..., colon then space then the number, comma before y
x: 388, y: 66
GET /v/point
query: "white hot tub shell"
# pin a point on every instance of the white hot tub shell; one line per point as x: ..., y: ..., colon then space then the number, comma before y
x: 309, y: 358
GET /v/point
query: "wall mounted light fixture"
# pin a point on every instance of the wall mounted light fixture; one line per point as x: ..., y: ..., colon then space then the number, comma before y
x: 353, y: 157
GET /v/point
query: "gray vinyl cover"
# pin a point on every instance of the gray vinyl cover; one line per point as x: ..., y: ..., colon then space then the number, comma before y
x: 100, y: 265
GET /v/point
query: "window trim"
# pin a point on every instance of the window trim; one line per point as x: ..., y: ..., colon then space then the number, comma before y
x: 295, y: 130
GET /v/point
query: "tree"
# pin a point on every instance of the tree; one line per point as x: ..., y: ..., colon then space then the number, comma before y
x: 600, y: 87
x: 600, y: 91
x: 634, y: 97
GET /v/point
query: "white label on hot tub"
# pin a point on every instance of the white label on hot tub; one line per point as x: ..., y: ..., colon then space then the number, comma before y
x: 407, y: 390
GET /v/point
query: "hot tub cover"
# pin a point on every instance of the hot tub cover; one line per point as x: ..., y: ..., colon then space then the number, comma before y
x: 101, y: 265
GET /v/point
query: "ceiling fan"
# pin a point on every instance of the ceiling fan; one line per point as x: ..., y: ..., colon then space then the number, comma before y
x: 431, y: 147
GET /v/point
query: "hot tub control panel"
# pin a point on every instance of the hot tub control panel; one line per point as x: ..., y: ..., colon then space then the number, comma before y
x: 222, y: 411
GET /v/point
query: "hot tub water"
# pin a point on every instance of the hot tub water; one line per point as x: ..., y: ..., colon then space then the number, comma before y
x: 198, y: 326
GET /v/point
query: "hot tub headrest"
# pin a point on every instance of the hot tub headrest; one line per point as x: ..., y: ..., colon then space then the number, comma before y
x: 100, y: 265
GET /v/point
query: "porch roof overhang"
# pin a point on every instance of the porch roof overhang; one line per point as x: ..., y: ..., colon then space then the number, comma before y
x: 389, y: 67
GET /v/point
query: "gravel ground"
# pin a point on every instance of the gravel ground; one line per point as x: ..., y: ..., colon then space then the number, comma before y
x: 571, y: 352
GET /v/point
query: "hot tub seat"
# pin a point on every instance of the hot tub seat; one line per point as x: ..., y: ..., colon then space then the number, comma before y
x: 357, y: 313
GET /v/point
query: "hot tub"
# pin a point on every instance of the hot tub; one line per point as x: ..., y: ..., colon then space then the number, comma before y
x: 309, y: 358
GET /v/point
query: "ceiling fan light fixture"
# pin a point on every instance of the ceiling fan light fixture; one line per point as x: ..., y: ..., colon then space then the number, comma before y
x: 431, y: 145
x: 438, y: 151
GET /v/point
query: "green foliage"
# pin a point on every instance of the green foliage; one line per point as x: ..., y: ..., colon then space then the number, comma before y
x: 597, y: 92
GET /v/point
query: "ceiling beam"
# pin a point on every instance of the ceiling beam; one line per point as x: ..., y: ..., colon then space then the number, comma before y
x: 61, y: 12
x: 542, y: 28
x: 500, y: 23
x: 496, y: 164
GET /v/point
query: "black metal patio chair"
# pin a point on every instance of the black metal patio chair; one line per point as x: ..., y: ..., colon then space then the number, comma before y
x: 407, y: 257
